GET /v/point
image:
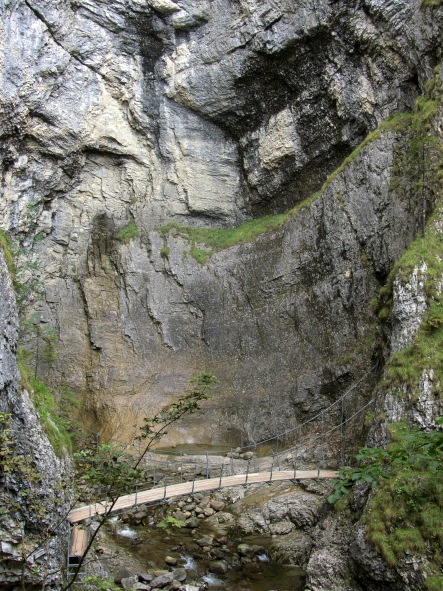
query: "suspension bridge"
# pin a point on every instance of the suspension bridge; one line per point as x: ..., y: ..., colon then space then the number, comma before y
x: 189, y: 488
x: 326, y: 437
x: 322, y: 441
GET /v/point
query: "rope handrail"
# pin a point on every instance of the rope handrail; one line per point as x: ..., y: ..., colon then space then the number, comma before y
x: 164, y: 490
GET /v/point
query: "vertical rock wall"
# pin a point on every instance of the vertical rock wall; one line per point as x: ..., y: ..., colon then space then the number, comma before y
x: 118, y: 115
x: 34, y: 482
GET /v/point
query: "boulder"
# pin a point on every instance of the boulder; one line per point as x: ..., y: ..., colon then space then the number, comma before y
x: 180, y: 574
x: 123, y: 573
x: 128, y: 582
x: 246, y: 550
x: 205, y: 541
x: 219, y: 567
x: 217, y: 505
x: 171, y: 560
x: 162, y: 580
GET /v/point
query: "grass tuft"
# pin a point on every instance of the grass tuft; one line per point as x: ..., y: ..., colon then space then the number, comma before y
x: 434, y: 583
x: 129, y: 232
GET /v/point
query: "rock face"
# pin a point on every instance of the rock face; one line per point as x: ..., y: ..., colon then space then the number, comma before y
x: 117, y: 117
x: 32, y: 480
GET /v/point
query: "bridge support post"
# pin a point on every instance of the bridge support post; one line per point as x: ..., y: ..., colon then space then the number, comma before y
x: 164, y: 491
x: 278, y: 462
x: 232, y: 463
x: 272, y: 468
x: 207, y: 465
x: 295, y: 465
x: 136, y: 493
x: 247, y: 472
x: 323, y: 440
x: 221, y: 476
x: 255, y: 458
x: 342, y: 434
x: 193, y: 480
x: 154, y: 481
x: 181, y: 466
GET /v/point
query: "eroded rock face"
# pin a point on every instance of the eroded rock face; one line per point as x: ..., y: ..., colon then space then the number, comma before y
x: 36, y: 493
x: 119, y: 113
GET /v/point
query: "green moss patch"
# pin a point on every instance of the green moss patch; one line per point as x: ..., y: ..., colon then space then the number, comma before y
x: 9, y: 253
x: 406, y: 367
x: 129, y: 232
x: 46, y: 406
x: 432, y: 3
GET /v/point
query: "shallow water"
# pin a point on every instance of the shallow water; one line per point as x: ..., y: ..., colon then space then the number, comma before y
x: 193, y: 449
x: 150, y: 545
x: 126, y: 532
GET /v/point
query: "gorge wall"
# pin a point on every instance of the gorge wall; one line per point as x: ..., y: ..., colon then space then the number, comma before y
x: 34, y: 482
x: 118, y: 117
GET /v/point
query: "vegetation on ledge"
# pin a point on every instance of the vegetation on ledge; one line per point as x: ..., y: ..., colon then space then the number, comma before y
x: 206, y: 241
x: 419, y: 170
x: 129, y: 232
x: 55, y: 426
x: 215, y: 239
x: 424, y: 257
x: 404, y: 516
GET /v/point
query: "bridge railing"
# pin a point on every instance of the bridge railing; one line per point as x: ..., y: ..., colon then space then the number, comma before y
x: 314, y: 454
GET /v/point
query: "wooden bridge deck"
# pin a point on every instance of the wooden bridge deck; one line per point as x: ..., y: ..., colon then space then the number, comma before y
x: 79, y: 540
x: 186, y: 488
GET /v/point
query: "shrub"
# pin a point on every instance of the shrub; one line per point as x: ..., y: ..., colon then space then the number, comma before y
x: 405, y: 514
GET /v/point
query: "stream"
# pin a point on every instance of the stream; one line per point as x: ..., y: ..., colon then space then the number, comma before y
x: 149, y: 545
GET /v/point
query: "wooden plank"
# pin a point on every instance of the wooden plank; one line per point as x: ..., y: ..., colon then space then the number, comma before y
x: 186, y: 488
x: 79, y: 538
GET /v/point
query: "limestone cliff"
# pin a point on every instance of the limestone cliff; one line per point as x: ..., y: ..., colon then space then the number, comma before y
x: 118, y: 117
x: 34, y: 496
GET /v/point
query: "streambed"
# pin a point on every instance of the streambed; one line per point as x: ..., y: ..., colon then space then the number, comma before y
x: 149, y: 545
